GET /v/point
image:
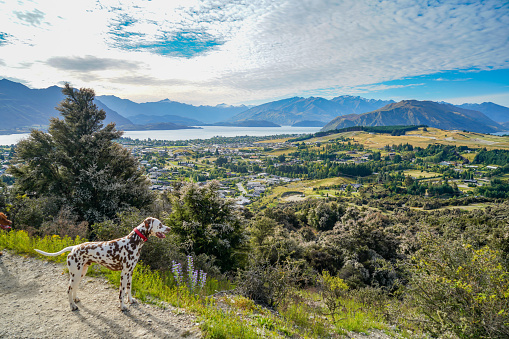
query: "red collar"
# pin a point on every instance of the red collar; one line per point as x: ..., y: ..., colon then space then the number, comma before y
x: 141, y: 235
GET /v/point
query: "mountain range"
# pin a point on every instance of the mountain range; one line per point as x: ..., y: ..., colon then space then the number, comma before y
x: 313, y: 111
x: 22, y: 108
x: 166, y: 108
x: 413, y: 112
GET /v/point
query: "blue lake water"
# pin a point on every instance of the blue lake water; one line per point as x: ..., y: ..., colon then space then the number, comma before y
x: 205, y: 132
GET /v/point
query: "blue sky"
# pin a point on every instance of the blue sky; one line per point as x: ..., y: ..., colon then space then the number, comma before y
x: 255, y: 51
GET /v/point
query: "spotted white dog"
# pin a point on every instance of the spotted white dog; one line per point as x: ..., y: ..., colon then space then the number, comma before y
x: 117, y: 255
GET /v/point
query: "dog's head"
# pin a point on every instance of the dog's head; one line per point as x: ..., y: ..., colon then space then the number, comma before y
x: 4, y: 222
x: 156, y: 227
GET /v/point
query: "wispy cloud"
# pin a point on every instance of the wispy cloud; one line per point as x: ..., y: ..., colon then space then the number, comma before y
x: 233, y: 51
x: 447, y: 79
x: 33, y: 18
x: 90, y: 63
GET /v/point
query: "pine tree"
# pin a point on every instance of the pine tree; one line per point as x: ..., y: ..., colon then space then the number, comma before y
x: 78, y: 163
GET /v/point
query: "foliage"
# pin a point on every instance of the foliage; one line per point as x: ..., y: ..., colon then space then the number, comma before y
x: 325, y: 215
x: 206, y: 224
x: 333, y: 289
x: 492, y: 157
x: 460, y: 289
x: 496, y: 189
x: 264, y: 283
x: 194, y: 279
x: 272, y: 242
x: 78, y: 164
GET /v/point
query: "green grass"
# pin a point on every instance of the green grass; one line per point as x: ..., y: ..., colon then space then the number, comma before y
x: 358, y: 317
x: 221, y: 317
x: 22, y: 243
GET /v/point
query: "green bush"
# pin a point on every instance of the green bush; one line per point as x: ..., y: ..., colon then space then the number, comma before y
x: 460, y: 289
x: 266, y: 284
x: 204, y: 223
x: 332, y: 291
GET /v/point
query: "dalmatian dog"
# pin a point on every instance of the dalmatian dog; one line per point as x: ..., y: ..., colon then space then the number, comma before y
x: 117, y: 255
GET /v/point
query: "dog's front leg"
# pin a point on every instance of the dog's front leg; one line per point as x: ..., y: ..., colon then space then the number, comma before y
x: 124, y: 278
x: 129, y: 288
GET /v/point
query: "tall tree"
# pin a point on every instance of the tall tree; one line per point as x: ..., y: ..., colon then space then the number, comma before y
x: 204, y: 223
x: 78, y: 163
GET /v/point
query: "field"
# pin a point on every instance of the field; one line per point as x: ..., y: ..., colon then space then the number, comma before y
x: 300, y: 190
x: 423, y: 138
x: 421, y: 174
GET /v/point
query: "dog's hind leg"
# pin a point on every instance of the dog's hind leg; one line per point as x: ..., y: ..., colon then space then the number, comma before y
x: 76, y: 270
x: 83, y: 273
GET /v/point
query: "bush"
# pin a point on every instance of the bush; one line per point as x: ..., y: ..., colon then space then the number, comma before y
x: 204, y: 223
x: 460, y: 289
x: 333, y: 291
x: 266, y: 284
x: 65, y: 224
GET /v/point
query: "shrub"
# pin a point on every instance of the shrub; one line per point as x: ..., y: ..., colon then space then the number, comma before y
x: 65, y: 224
x: 204, y: 223
x: 333, y: 291
x: 266, y: 284
x: 460, y: 289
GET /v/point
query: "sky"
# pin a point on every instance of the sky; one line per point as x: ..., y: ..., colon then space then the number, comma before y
x: 254, y: 51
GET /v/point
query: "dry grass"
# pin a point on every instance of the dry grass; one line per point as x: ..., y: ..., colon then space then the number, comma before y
x: 422, y: 139
x: 421, y: 174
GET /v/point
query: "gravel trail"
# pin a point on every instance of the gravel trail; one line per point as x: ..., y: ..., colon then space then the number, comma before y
x: 34, y: 304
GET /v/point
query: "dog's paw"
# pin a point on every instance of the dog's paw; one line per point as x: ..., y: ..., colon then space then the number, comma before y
x: 133, y: 301
x: 77, y: 300
x: 74, y: 307
x: 124, y: 308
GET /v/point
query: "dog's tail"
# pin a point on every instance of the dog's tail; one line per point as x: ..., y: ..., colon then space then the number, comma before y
x: 67, y: 249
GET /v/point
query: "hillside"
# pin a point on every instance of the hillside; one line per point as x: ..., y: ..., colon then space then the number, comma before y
x: 22, y: 107
x: 413, y: 112
x: 299, y: 110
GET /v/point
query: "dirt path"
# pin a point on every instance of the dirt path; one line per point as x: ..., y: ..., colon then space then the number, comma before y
x: 34, y: 304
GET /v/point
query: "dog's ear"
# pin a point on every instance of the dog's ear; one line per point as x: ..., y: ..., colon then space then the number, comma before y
x: 147, y: 222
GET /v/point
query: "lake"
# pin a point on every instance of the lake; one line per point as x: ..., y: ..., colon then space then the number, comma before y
x: 205, y: 132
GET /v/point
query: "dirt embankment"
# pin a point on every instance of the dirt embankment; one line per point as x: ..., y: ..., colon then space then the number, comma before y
x: 34, y: 304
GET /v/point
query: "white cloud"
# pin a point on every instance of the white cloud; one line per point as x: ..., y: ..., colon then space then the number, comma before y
x: 268, y: 48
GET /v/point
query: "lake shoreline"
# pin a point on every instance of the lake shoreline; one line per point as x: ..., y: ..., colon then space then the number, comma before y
x: 202, y: 132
